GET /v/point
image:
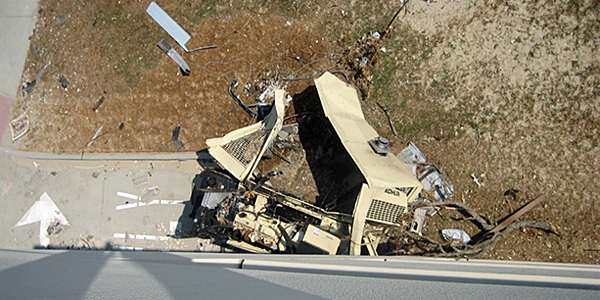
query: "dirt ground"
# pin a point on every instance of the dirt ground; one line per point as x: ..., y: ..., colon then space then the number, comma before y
x: 525, y: 78
x: 145, y: 96
x: 502, y: 91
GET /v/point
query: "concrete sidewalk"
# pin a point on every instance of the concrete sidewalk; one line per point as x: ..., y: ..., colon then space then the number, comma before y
x: 102, y: 202
x: 17, y: 20
x: 94, y: 192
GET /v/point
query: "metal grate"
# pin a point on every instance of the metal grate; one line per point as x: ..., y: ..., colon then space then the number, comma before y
x: 247, y: 147
x: 384, y: 211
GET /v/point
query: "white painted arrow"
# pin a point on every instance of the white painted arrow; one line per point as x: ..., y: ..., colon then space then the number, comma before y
x: 45, y: 212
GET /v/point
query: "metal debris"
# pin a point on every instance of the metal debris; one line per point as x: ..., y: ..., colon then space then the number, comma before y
x: 35, y: 49
x: 64, y: 82
x: 39, y: 74
x: 211, y: 200
x: 178, y: 145
x: 427, y: 173
x: 176, y: 132
x: 95, y: 108
x: 175, y: 138
x: 28, y: 87
x: 418, y: 220
x: 171, y: 27
x: 178, y: 59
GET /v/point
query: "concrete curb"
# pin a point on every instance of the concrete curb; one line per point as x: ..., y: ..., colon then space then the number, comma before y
x: 102, y: 156
x: 480, y: 277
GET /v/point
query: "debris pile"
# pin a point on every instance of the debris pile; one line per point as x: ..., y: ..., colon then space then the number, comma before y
x: 370, y: 213
x: 457, y: 243
x: 263, y: 92
x: 359, y: 59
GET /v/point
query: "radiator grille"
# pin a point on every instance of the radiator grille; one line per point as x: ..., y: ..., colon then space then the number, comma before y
x: 247, y: 147
x: 386, y: 212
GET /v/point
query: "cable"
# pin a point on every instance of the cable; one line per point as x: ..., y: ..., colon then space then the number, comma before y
x: 239, y: 101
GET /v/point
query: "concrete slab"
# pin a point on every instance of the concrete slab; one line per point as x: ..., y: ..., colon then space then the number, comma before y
x: 96, y: 198
x: 88, y: 193
x: 17, y: 20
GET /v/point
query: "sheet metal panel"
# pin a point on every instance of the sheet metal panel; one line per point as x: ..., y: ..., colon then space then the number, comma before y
x: 168, y: 24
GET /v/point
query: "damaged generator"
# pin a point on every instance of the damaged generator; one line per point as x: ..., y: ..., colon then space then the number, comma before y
x: 237, y: 208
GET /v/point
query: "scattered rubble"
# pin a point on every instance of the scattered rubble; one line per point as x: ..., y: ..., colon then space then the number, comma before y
x: 359, y: 58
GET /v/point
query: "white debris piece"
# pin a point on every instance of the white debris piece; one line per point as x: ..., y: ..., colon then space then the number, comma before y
x: 98, y: 132
x: 456, y: 234
x: 479, y: 184
x: 19, y: 126
x: 211, y: 200
x: 171, y: 27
